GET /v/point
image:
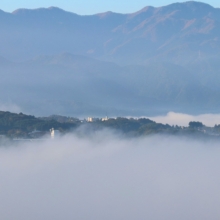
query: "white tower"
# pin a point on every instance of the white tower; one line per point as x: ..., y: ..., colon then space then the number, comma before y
x: 52, y: 133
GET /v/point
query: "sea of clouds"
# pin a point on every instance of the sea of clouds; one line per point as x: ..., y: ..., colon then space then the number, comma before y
x: 106, y: 176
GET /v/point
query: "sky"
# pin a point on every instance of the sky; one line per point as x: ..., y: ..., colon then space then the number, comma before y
x: 85, y: 7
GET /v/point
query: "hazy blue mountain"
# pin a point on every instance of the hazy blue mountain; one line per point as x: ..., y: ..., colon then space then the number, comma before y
x: 180, y: 32
x: 148, y: 62
x: 77, y: 85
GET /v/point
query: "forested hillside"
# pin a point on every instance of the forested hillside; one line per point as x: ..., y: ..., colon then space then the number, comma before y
x: 29, y: 127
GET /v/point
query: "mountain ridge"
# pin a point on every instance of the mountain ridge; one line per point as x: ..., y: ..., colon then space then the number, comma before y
x: 154, y: 60
x: 188, y: 4
x: 139, y: 37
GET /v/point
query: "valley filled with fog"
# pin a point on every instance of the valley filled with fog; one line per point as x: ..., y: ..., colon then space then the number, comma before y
x: 106, y: 176
x: 146, y: 75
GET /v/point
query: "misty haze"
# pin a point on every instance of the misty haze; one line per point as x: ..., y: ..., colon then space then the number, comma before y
x: 108, y: 177
x: 110, y: 116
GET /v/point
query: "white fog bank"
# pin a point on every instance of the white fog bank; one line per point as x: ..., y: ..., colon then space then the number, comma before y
x: 181, y: 119
x: 108, y: 177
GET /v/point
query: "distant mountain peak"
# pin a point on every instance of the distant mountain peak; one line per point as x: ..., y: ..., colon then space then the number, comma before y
x: 193, y: 5
x: 54, y: 8
x: 190, y: 4
x: 196, y: 3
x: 18, y: 11
x: 24, y: 10
x: 105, y: 14
x: 143, y: 10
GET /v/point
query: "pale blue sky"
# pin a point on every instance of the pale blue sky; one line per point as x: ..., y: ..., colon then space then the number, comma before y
x: 91, y: 6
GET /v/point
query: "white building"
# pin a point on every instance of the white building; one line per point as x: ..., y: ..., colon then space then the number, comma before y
x: 90, y: 119
x: 105, y: 119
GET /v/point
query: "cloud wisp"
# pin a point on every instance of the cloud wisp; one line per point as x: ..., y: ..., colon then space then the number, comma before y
x: 108, y: 177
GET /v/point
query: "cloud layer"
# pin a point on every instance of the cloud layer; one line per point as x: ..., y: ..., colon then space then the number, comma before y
x: 107, y: 177
x: 181, y: 119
